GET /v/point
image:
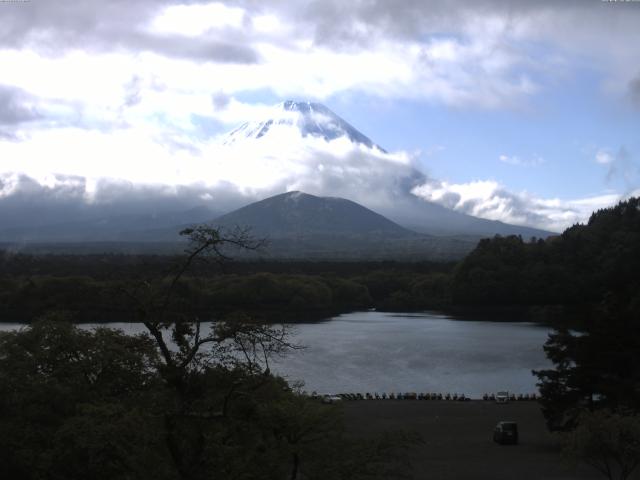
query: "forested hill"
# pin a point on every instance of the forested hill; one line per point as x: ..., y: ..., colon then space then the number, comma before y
x: 582, y: 266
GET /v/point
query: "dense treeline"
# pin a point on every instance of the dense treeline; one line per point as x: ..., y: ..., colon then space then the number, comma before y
x: 580, y: 267
x: 92, y: 287
x: 113, y: 266
x: 592, y: 389
x: 181, y: 401
x: 590, y: 273
x: 576, y: 269
x: 66, y: 393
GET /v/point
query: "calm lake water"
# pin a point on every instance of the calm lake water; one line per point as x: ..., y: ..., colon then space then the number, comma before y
x: 426, y: 352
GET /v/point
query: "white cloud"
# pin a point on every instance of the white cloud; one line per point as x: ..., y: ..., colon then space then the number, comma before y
x: 456, y: 71
x: 97, y: 164
x: 196, y: 20
x: 603, y: 157
x: 488, y: 199
x: 533, y: 161
x: 142, y: 155
x: 269, y: 24
x: 479, y: 53
x: 125, y: 91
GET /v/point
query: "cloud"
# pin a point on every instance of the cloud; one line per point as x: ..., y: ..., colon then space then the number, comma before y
x: 496, y: 43
x: 83, y: 63
x: 622, y: 169
x: 488, y: 199
x: 106, y: 173
x: 134, y: 91
x: 625, y: 169
x: 521, y: 162
x: 16, y: 106
x: 98, y: 26
x: 483, y: 53
x: 61, y: 199
x: 634, y: 91
x: 220, y: 100
x: 603, y: 157
x: 196, y: 20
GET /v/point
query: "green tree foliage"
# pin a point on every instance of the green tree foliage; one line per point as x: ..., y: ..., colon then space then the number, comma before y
x: 79, y: 404
x: 276, y: 291
x: 593, y: 268
x: 580, y: 266
x: 72, y: 399
x: 609, y: 442
x: 185, y: 401
x: 593, y: 369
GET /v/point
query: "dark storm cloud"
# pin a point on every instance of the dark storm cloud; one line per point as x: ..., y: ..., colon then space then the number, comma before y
x: 15, y: 106
x: 105, y: 25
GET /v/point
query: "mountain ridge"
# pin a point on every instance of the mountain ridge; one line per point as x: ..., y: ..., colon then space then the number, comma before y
x: 310, y: 118
x: 299, y: 225
x: 298, y: 213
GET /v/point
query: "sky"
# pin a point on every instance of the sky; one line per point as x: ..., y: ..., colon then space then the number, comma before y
x: 522, y: 111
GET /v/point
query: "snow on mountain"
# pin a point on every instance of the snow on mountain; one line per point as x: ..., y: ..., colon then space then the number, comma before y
x: 305, y: 146
x: 307, y: 118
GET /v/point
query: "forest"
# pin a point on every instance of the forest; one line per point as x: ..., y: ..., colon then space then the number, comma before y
x: 91, y: 287
x: 177, y: 402
x: 554, y: 279
x: 212, y: 404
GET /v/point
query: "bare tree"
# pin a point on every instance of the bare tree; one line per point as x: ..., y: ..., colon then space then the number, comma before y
x: 188, y: 346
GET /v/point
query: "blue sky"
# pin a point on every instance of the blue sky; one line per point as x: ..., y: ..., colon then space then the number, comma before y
x: 555, y: 135
x: 522, y: 111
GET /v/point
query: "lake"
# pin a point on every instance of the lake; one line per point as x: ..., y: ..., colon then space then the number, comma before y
x: 425, y: 352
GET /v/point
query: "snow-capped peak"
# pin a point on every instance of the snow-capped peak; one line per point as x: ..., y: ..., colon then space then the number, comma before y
x: 309, y: 118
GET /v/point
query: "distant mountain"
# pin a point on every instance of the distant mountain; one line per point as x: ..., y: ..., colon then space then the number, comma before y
x: 309, y: 118
x: 434, y: 219
x: 118, y: 228
x: 295, y: 214
x: 291, y: 217
x: 299, y: 225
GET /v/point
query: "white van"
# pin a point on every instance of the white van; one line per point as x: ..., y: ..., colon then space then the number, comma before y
x: 502, y: 397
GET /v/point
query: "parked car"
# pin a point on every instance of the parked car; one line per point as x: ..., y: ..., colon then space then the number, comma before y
x: 331, y: 399
x: 506, y: 433
x: 502, y: 397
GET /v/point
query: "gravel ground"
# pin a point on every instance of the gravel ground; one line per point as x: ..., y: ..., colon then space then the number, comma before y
x: 458, y: 440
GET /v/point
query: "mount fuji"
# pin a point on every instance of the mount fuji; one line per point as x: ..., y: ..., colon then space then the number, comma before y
x: 296, y: 146
x: 308, y: 118
x: 367, y: 174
